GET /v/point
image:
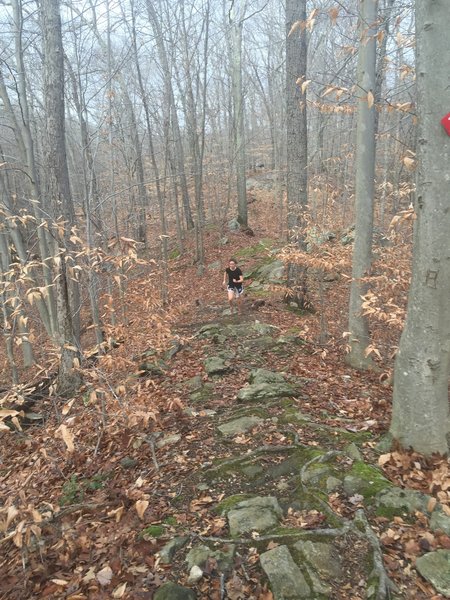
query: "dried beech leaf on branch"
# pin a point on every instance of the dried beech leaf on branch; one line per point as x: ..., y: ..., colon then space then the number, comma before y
x: 334, y: 13
x: 297, y: 25
x: 409, y: 163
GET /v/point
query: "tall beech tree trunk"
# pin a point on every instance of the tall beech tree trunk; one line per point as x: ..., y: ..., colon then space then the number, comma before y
x: 57, y: 176
x: 239, y: 156
x: 364, y: 186
x: 420, y: 417
x: 296, y: 141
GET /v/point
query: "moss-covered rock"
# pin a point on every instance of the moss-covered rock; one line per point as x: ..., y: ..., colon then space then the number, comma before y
x: 394, y: 501
x: 255, y: 514
x: 215, y: 365
x: 199, y: 555
x: 173, y: 591
x: 364, y: 479
x: 259, y: 392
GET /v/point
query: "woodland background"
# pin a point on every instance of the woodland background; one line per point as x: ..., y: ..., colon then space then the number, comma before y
x: 145, y: 142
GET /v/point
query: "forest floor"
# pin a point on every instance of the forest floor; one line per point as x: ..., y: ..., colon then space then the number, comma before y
x: 239, y: 440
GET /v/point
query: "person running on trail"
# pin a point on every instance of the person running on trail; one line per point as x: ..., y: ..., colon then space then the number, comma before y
x: 233, y: 279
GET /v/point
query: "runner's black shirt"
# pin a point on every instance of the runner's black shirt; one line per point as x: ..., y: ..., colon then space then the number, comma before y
x: 236, y: 274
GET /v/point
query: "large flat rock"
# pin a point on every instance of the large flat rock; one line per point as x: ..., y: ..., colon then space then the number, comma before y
x: 435, y: 568
x: 287, y: 581
x: 240, y: 425
x: 255, y: 514
x: 258, y: 392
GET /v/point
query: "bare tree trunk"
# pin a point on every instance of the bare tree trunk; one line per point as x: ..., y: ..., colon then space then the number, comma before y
x: 297, y: 141
x: 420, y: 417
x: 69, y: 377
x: 239, y: 155
x: 358, y: 327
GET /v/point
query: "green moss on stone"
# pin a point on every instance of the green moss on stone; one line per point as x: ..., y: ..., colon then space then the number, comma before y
x: 153, y: 531
x: 229, y: 503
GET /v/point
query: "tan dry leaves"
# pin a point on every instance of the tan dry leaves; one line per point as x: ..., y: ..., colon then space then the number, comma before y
x: 67, y: 436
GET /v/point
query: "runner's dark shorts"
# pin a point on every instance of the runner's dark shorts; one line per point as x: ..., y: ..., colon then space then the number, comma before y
x: 237, y: 289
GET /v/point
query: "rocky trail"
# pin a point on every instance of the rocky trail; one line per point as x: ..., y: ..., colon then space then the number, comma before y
x: 265, y: 499
x: 253, y: 481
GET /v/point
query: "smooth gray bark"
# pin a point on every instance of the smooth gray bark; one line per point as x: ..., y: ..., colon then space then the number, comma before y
x: 296, y: 117
x: 420, y: 416
x: 239, y: 156
x: 57, y: 175
x: 358, y: 327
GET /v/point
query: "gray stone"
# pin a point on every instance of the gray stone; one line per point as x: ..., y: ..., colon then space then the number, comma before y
x: 353, y: 452
x: 194, y: 383
x: 402, y: 501
x: 198, y: 556
x: 440, y: 520
x: 152, y: 369
x: 252, y: 471
x: 203, y: 394
x: 322, y: 557
x: 208, y: 330
x: 316, y: 475
x: 175, y: 347
x: 265, y: 391
x: 215, y: 366
x: 319, y: 587
x: 435, y: 568
x: 240, y: 425
x: 286, y: 579
x: 255, y: 284
x: 167, y: 553
x: 128, y: 463
x: 234, y: 225
x: 265, y: 376
x: 264, y: 328
x: 168, y: 440
x: 384, y: 444
x: 255, y: 514
x: 173, y: 591
x: 272, y: 272
x: 195, y: 574
x: 333, y: 483
x: 214, y: 266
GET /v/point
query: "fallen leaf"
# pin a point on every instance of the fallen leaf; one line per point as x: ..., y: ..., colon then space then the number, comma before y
x: 105, y: 575
x: 141, y: 506
x: 61, y: 582
x: 67, y: 436
x: 120, y: 590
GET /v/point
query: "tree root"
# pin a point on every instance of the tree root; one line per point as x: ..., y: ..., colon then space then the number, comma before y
x: 385, y: 585
x: 257, y: 452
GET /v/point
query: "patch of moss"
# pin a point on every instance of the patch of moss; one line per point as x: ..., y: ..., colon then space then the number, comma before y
x: 170, y: 520
x: 246, y: 411
x: 293, y: 416
x: 372, y: 475
x: 74, y: 490
x: 229, y: 503
x: 153, y: 531
x: 175, y: 253
x: 263, y: 245
x: 259, y: 293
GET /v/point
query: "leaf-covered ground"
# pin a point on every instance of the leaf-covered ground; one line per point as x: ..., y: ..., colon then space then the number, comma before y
x: 94, y: 489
